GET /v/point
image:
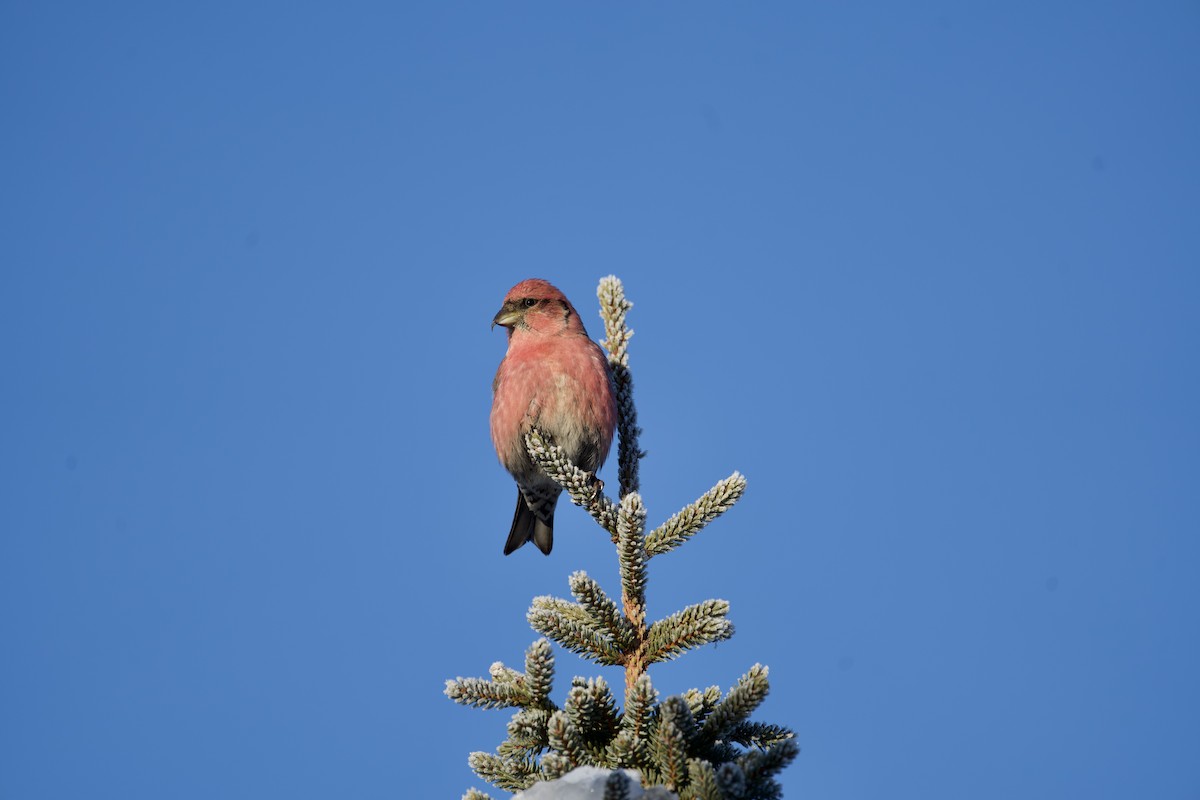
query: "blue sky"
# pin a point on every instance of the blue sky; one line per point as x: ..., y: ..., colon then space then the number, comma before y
x: 927, y: 274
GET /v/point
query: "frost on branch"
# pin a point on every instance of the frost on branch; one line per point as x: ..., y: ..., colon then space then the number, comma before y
x: 700, y: 744
x: 688, y: 522
x: 613, y: 308
x: 580, y: 485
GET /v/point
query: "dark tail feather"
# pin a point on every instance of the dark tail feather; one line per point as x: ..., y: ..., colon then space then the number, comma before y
x: 543, y: 535
x: 526, y: 527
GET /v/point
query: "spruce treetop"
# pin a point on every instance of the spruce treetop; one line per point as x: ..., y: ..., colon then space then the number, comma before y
x: 700, y: 745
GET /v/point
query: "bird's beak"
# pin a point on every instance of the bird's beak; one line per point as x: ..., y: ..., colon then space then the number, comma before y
x: 507, y: 316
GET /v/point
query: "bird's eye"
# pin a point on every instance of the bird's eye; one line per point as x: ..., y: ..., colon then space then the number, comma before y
x: 530, y: 302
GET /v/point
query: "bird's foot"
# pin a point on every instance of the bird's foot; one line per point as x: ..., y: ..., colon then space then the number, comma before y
x: 595, y: 490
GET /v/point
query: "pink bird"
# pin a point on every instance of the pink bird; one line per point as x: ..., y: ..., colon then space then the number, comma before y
x: 555, y: 378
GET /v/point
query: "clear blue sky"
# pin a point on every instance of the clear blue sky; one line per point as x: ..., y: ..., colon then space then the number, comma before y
x: 928, y: 275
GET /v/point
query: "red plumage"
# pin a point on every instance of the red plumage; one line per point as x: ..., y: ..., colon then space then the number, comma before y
x: 555, y: 378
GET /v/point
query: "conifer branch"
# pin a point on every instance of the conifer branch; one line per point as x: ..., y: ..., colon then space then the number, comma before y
x: 555, y: 766
x: 617, y: 786
x: 527, y: 730
x: 591, y: 708
x: 582, y: 486
x: 510, y: 774
x: 758, y: 734
x: 640, y: 702
x: 702, y: 782
x: 670, y: 742
x: 475, y: 794
x: 482, y: 693
x: 631, y: 557
x: 602, y: 610
x: 767, y: 789
x: 630, y: 748
x: 505, y: 675
x: 625, y: 750
x: 738, y: 705
x: 691, y: 520
x: 508, y: 688
x: 760, y: 767
x: 539, y: 673
x: 613, y: 308
x: 511, y: 750
x: 571, y: 626
x: 731, y: 781
x: 694, y: 626
x: 702, y: 703
x: 567, y: 740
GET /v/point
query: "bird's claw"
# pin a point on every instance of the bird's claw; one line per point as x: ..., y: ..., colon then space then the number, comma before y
x: 596, y: 490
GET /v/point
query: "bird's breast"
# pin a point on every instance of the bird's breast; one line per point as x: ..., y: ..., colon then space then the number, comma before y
x: 564, y: 391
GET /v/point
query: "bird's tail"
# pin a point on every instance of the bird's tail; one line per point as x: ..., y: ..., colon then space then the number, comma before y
x: 529, y: 527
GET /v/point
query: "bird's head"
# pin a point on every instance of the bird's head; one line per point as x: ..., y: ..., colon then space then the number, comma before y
x: 536, y: 305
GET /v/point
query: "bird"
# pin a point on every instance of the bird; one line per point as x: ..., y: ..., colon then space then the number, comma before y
x: 555, y: 378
